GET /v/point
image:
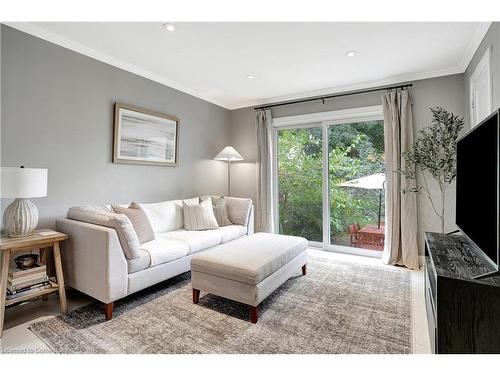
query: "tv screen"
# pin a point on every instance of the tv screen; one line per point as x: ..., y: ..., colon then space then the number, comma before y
x: 478, y: 187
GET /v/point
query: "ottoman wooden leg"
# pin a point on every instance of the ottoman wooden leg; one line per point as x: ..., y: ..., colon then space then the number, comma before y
x: 254, y: 314
x: 304, y: 269
x: 196, y: 295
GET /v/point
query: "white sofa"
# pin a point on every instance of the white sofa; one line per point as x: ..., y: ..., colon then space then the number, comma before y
x: 94, y: 261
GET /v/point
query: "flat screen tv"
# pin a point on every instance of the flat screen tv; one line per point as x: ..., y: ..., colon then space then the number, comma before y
x: 478, y: 188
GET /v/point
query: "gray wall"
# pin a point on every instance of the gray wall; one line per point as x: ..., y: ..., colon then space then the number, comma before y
x: 491, y: 39
x: 243, y: 138
x: 447, y: 92
x: 57, y: 113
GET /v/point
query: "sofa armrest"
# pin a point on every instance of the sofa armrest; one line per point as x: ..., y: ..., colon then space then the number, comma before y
x: 93, y: 260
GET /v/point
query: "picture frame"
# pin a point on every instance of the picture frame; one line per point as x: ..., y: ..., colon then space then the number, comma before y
x: 144, y: 137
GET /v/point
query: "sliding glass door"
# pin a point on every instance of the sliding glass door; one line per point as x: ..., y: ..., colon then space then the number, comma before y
x: 330, y: 182
x: 356, y: 175
x: 300, y: 165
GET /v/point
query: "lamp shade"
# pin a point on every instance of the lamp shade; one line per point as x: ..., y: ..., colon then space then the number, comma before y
x: 23, y: 182
x: 228, y: 153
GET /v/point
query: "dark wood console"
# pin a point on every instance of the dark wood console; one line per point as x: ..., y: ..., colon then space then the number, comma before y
x: 463, y: 313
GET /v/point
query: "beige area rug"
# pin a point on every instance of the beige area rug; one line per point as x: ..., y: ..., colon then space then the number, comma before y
x: 338, y: 307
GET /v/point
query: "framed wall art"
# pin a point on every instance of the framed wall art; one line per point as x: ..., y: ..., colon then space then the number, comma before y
x: 145, y: 137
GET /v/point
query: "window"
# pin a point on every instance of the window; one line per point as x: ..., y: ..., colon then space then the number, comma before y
x: 356, y: 175
x: 329, y: 178
x: 300, y: 175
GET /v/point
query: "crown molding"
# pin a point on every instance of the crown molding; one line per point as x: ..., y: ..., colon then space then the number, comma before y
x: 41, y: 33
x: 477, y: 38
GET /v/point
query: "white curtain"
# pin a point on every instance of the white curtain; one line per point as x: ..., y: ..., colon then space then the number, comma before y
x: 401, y: 246
x: 264, y: 204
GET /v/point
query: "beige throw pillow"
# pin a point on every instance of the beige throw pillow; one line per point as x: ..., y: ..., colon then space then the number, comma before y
x: 199, y: 215
x: 220, y: 211
x: 121, y: 223
x: 139, y: 221
x: 239, y: 210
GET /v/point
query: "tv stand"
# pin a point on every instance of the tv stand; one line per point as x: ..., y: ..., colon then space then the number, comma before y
x: 462, y: 296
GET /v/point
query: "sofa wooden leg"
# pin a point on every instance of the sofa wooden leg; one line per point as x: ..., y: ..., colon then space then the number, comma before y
x: 304, y: 269
x: 108, y: 310
x: 196, y: 295
x: 254, y: 314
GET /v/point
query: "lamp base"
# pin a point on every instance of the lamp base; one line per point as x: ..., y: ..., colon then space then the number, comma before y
x: 32, y: 233
x: 20, y: 218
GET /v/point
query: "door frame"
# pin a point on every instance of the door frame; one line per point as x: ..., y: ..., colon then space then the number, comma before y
x: 321, y: 120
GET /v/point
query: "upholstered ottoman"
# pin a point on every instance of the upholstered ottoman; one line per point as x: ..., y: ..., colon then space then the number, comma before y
x: 248, y: 269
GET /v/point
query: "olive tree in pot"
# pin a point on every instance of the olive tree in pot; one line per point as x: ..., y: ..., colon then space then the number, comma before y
x: 434, y: 154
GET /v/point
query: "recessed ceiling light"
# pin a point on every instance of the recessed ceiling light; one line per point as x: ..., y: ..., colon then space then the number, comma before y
x: 351, y: 53
x: 168, y: 27
x: 250, y: 76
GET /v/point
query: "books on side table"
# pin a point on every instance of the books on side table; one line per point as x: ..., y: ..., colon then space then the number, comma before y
x: 23, y: 282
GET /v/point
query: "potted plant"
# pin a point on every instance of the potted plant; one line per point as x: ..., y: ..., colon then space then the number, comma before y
x: 434, y: 154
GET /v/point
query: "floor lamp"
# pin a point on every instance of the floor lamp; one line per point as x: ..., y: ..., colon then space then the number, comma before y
x: 228, y: 154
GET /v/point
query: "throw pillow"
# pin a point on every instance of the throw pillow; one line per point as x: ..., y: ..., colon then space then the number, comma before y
x: 139, y: 221
x: 220, y: 211
x: 121, y: 223
x: 199, y: 215
x: 239, y: 210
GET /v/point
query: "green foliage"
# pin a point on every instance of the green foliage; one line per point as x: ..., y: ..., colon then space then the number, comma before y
x: 434, y: 153
x: 300, y: 167
x: 355, y: 150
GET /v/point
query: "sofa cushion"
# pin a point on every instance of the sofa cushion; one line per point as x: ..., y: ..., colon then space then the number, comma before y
x: 249, y: 259
x: 164, y: 216
x: 230, y: 232
x: 239, y: 210
x: 140, y: 263
x: 139, y: 221
x: 121, y: 223
x: 204, y: 239
x: 199, y: 215
x: 197, y: 240
x: 164, y: 249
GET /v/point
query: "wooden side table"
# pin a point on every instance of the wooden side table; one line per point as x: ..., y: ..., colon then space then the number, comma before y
x: 8, y: 246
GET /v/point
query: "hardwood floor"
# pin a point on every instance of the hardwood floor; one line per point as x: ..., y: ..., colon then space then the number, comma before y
x: 18, y: 338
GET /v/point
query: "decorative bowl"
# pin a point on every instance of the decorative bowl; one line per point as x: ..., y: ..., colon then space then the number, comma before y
x: 26, y: 261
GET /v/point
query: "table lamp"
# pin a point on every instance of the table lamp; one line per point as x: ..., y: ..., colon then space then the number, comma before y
x: 228, y: 154
x: 21, y: 216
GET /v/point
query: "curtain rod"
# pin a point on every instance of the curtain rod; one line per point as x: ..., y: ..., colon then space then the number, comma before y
x: 322, y: 98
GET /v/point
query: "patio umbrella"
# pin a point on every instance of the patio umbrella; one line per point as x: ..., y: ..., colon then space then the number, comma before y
x: 372, y: 182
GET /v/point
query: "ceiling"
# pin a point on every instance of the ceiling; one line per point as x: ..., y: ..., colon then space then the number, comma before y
x: 288, y: 60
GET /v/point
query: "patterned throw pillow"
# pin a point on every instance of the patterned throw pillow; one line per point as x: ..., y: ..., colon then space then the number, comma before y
x: 199, y: 215
x: 139, y: 221
x: 220, y: 211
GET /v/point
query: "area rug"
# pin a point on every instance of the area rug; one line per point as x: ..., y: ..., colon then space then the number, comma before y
x: 338, y: 307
